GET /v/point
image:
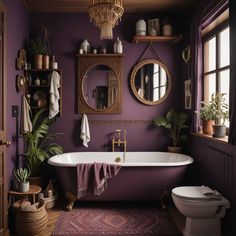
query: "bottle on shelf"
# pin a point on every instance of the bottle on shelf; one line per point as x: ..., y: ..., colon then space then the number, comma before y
x: 54, y: 64
x: 119, y: 46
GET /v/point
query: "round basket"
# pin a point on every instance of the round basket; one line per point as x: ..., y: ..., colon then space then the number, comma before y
x: 30, y: 222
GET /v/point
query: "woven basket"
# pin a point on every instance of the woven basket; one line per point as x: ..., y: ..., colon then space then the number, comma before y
x: 31, y: 222
x: 50, y: 202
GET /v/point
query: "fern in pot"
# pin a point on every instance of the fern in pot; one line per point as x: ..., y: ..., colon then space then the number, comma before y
x: 175, y: 123
x: 39, y: 51
x: 39, y: 145
x: 22, y: 177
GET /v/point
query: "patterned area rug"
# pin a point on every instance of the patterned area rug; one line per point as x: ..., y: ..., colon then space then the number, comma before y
x: 116, y: 221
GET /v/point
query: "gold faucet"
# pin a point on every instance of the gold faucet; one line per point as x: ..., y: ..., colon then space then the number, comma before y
x: 118, y: 141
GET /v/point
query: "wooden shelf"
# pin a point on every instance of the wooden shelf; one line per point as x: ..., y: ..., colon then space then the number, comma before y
x: 39, y: 86
x: 42, y: 70
x: 157, y: 39
x: 101, y: 55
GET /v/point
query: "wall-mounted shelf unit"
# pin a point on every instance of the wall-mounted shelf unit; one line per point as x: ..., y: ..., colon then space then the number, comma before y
x: 157, y: 39
x: 38, y: 93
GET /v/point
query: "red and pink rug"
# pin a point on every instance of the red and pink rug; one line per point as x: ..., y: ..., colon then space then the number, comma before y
x: 116, y: 221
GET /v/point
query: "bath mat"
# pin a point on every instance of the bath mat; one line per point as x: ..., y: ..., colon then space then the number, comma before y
x: 116, y: 221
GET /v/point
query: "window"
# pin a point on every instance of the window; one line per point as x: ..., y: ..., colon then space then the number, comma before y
x: 216, y: 63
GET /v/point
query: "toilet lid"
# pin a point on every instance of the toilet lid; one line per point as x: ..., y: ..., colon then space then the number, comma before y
x: 192, y: 192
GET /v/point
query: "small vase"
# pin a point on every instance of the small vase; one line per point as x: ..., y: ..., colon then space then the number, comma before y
x: 38, y: 62
x: 46, y: 62
x: 85, y: 46
x: 119, y: 46
x: 167, y: 30
x: 141, y: 28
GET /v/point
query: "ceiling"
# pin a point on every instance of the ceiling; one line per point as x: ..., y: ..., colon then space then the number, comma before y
x: 129, y: 5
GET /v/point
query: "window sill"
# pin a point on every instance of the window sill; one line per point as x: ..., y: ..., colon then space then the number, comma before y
x: 209, y: 137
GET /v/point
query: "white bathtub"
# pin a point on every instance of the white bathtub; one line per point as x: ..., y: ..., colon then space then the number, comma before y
x: 143, y: 176
x: 131, y: 158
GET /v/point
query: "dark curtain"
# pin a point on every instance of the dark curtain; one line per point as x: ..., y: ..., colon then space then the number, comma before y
x: 232, y: 98
x: 206, y: 13
x: 196, y: 70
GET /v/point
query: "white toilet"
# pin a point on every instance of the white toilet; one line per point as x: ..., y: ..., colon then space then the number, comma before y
x: 203, y: 208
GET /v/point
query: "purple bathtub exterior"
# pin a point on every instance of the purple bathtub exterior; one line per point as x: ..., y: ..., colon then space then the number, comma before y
x: 130, y: 184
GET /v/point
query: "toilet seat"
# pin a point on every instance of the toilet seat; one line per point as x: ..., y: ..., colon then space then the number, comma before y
x: 193, y: 193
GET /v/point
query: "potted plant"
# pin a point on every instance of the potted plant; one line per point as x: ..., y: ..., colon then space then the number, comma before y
x: 21, y: 176
x: 38, y: 145
x: 175, y: 123
x: 220, y: 111
x: 38, y: 50
x: 207, y: 117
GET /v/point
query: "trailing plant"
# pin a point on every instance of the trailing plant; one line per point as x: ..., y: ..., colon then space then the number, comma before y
x: 22, y: 175
x: 175, y: 123
x: 38, y: 142
x: 37, y: 47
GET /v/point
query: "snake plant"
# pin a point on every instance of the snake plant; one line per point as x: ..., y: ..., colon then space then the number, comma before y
x: 22, y: 175
x: 38, y: 142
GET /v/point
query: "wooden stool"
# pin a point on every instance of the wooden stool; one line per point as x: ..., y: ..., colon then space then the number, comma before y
x: 33, y: 191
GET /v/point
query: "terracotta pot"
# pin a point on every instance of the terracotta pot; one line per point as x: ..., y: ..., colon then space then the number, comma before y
x: 36, y: 180
x: 207, y: 126
x: 175, y: 149
x: 38, y: 61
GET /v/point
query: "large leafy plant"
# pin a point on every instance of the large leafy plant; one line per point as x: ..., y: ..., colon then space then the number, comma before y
x: 175, y: 123
x: 39, y: 145
x: 219, y: 107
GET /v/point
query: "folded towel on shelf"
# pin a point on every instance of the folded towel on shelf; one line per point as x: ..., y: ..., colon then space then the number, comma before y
x: 92, y: 177
x: 26, y: 124
x: 85, y: 132
x: 210, y: 193
x: 54, y: 94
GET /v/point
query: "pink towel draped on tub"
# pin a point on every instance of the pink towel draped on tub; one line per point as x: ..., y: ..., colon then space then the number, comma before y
x: 92, y: 177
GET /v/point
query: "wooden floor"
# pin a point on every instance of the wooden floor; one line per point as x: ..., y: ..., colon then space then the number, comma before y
x: 55, y: 212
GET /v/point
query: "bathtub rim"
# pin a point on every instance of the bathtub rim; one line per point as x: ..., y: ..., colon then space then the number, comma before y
x: 189, y: 160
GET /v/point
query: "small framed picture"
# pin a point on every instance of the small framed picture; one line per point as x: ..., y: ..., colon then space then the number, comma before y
x: 188, y: 94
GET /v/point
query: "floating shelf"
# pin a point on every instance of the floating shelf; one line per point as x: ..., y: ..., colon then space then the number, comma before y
x: 157, y: 39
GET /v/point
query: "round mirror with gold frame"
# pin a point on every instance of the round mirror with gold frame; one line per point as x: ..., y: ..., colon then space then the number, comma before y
x: 151, y: 82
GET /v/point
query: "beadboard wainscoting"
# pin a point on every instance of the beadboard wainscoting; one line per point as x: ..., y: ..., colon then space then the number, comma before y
x: 215, y: 166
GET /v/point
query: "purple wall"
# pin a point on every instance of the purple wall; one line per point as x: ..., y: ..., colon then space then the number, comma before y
x: 17, y: 33
x: 66, y: 33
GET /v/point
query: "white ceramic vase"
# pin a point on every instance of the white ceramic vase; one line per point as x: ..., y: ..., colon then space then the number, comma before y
x: 85, y: 46
x: 141, y: 28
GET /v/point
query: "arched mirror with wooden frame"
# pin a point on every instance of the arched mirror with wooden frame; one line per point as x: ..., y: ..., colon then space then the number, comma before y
x: 151, y: 81
x: 99, y: 83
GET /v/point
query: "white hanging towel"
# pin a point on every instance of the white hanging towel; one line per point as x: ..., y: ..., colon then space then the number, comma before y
x: 85, y: 132
x: 54, y: 94
x: 26, y: 124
